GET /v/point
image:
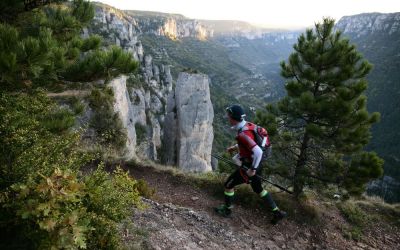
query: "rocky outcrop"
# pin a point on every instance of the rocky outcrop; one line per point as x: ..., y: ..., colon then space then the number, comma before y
x: 123, y: 107
x: 170, y: 25
x: 174, y: 29
x: 141, y: 99
x: 116, y: 28
x: 370, y: 23
x: 189, y: 124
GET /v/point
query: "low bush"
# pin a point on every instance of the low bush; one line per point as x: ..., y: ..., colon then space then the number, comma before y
x: 144, y: 189
x: 353, y: 213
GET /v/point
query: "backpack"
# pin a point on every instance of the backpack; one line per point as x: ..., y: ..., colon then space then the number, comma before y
x: 261, y: 137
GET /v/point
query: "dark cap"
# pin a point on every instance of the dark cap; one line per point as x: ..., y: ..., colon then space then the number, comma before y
x: 236, y: 112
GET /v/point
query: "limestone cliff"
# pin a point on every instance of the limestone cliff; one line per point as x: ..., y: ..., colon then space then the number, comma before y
x: 170, y: 25
x: 189, y: 124
x: 141, y: 99
x: 364, y: 24
x: 123, y: 107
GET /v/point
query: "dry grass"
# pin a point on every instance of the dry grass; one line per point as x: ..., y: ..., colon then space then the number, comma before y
x: 379, y: 210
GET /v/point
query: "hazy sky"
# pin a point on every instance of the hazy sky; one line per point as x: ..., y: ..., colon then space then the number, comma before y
x: 271, y: 13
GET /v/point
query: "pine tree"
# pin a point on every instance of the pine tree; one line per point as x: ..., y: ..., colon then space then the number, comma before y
x: 44, y: 46
x: 322, y: 125
x: 102, y: 64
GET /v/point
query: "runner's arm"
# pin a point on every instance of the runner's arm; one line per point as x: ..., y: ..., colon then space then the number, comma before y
x: 257, y: 155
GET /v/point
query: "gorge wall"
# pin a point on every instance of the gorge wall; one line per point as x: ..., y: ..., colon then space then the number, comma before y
x: 189, y: 121
x: 141, y: 99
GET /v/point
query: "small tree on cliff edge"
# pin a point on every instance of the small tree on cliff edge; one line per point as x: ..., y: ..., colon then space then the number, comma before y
x: 322, y: 125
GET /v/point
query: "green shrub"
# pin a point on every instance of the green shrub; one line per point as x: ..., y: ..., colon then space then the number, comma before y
x: 52, y: 207
x: 102, y: 64
x: 77, y: 106
x: 29, y: 144
x: 59, y: 211
x: 143, y: 188
x: 106, y: 122
x: 356, y: 217
x: 59, y: 120
x: 135, y: 81
x: 109, y: 200
x: 44, y: 200
x: 353, y: 213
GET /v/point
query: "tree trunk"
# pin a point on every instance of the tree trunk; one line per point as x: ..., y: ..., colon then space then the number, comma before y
x: 298, y: 179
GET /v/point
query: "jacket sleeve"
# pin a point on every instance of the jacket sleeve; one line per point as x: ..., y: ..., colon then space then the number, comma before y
x: 257, y: 155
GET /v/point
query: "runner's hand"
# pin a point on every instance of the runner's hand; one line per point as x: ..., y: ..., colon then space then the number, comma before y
x: 231, y: 149
x: 250, y: 172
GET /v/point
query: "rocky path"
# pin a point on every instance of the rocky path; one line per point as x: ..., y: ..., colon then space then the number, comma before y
x: 69, y: 93
x: 181, y: 216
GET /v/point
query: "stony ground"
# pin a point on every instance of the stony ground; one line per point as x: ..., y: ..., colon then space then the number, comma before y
x: 181, y: 216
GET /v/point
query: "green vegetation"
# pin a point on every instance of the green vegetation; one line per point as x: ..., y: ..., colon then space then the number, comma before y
x: 135, y: 81
x: 46, y: 201
x: 43, y: 47
x: 365, y: 213
x: 322, y: 125
x: 144, y: 189
x: 102, y: 65
x: 59, y: 120
x: 356, y: 216
x: 77, y: 106
x: 353, y: 213
x: 105, y: 121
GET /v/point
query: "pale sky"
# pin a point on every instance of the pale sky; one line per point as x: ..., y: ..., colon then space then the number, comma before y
x: 270, y: 13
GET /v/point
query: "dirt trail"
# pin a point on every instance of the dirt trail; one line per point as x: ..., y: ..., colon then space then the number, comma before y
x: 69, y: 93
x: 181, y: 216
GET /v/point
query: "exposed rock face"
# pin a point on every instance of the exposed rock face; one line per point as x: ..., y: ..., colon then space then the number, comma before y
x: 123, y: 107
x: 177, y: 28
x: 189, y: 123
x: 170, y: 25
x: 116, y: 28
x: 142, y: 100
x: 364, y: 24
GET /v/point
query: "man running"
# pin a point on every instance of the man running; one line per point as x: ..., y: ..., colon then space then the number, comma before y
x: 250, y: 155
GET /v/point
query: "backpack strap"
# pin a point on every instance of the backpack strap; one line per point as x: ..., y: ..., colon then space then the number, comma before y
x: 245, y: 127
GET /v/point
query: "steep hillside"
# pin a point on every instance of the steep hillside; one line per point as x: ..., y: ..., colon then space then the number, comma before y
x: 262, y: 55
x: 377, y: 36
x: 247, y: 73
x: 180, y: 216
